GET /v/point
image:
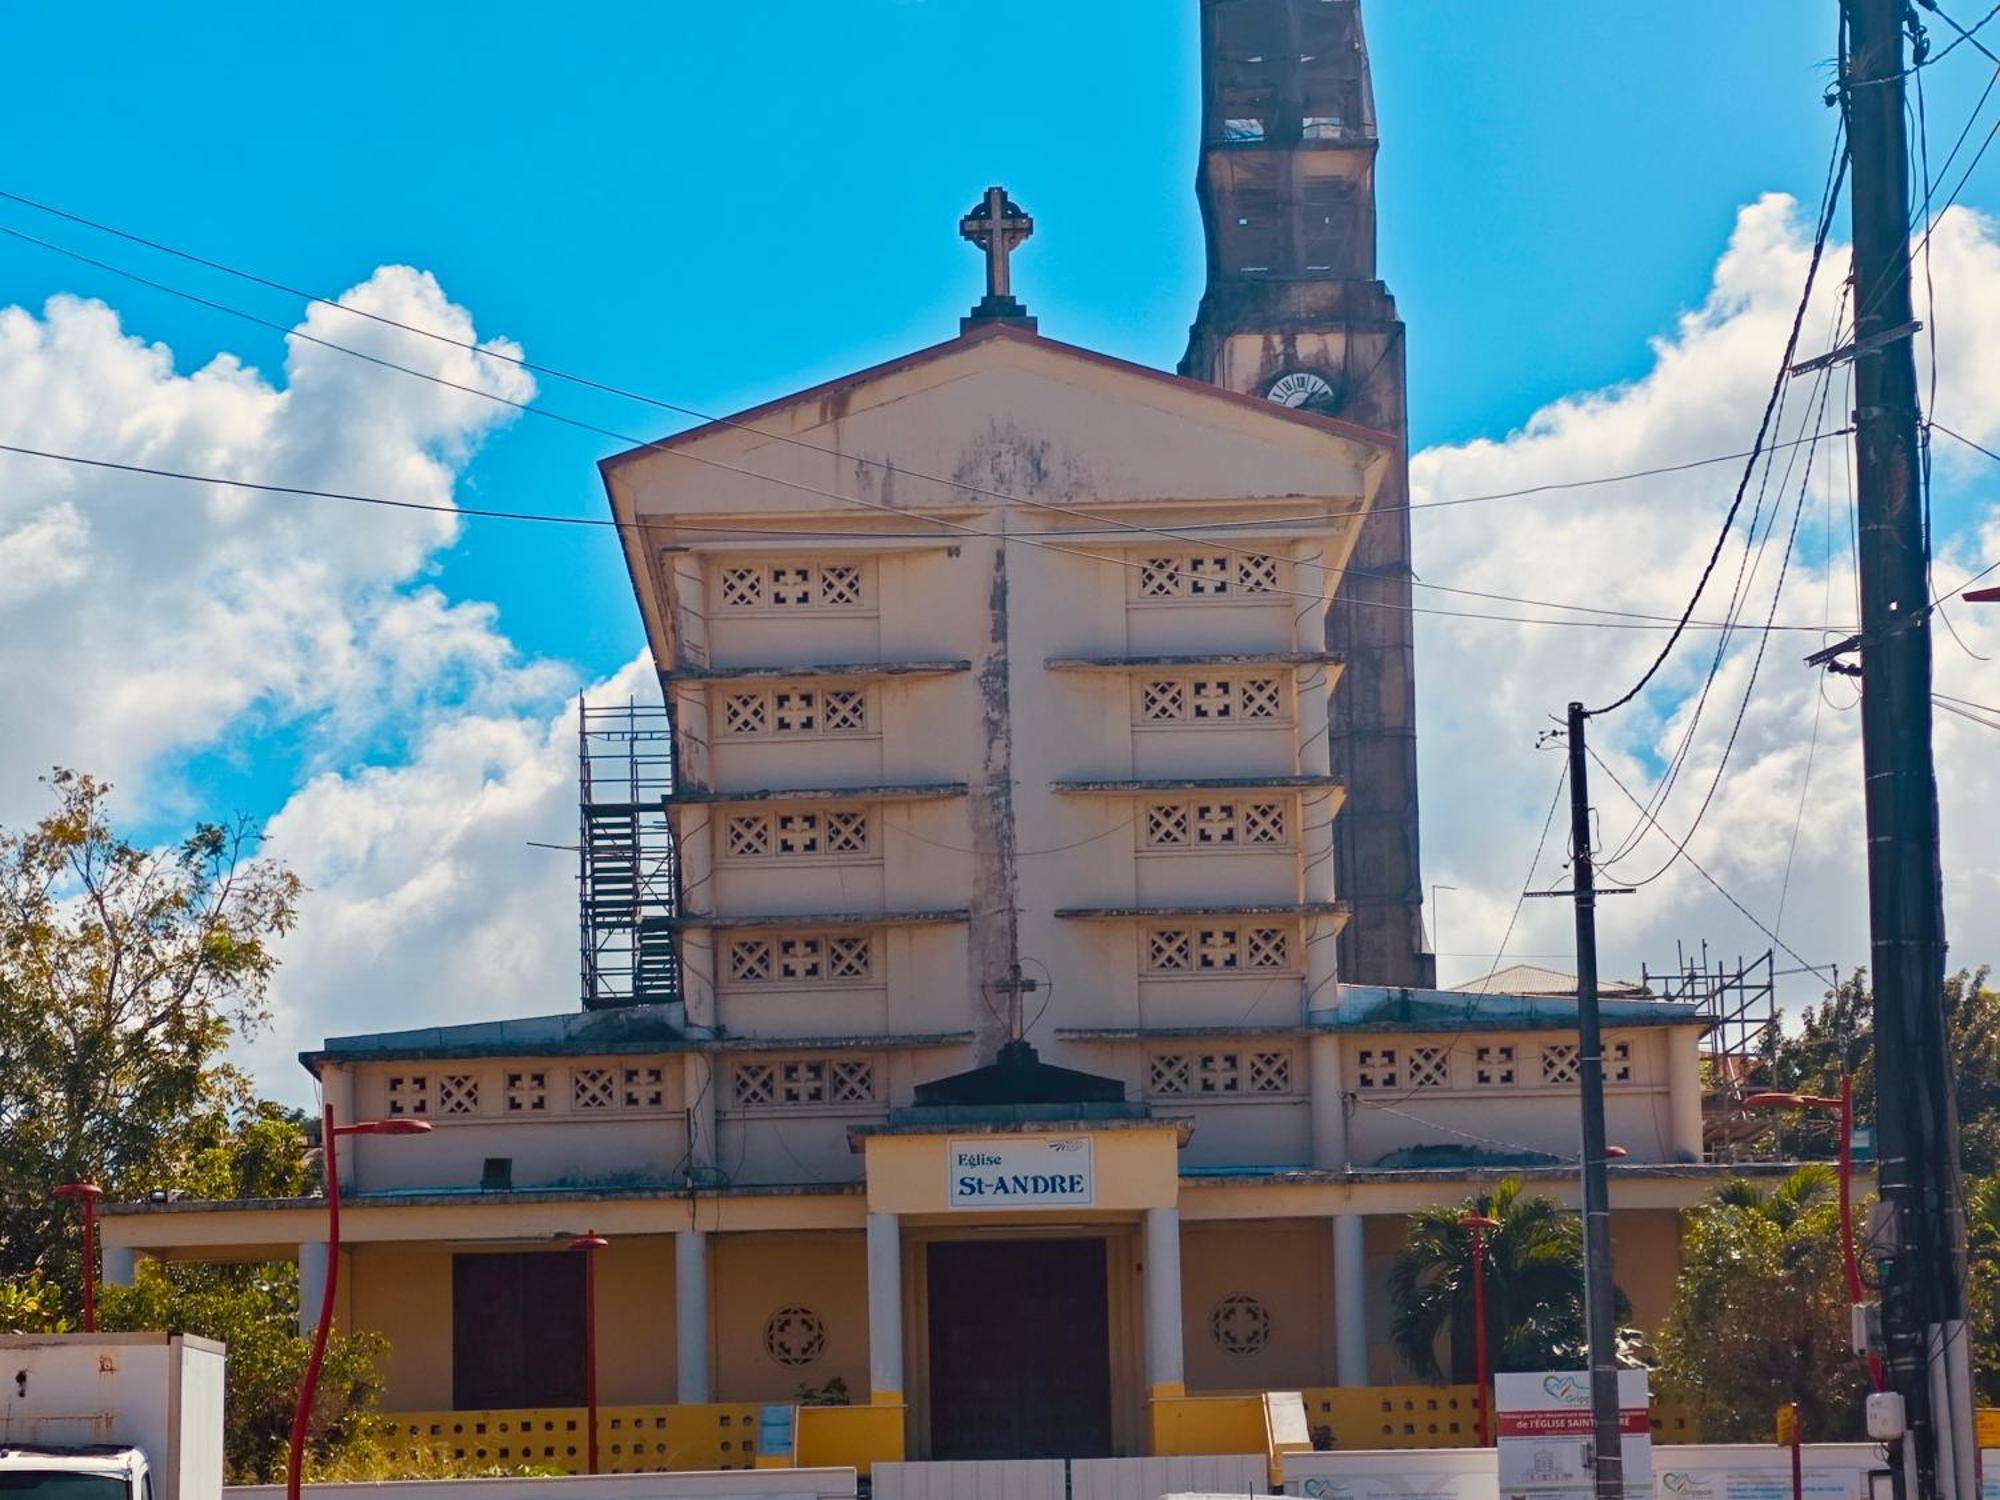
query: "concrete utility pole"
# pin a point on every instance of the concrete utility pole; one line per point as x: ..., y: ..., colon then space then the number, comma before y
x: 1921, y: 1237
x: 1600, y: 1307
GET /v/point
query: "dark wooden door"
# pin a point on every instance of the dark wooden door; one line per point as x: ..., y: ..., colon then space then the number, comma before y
x: 516, y: 1330
x: 1020, y: 1341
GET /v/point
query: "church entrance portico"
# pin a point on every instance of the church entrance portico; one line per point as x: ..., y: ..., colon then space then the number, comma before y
x: 1019, y: 1343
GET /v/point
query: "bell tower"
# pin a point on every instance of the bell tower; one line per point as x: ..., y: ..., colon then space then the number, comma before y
x: 1293, y: 312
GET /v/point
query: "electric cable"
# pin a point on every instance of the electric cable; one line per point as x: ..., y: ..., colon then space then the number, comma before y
x: 1837, y: 173
x: 1750, y: 687
x: 556, y: 373
x: 1700, y: 870
x: 612, y: 523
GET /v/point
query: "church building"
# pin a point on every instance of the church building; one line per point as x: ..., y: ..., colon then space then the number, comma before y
x: 1023, y: 1033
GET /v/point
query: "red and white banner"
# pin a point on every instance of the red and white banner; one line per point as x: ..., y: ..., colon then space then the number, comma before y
x: 1545, y: 1436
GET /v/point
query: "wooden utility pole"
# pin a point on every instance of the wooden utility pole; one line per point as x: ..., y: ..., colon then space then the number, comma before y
x: 1599, y: 1294
x: 1920, y: 1242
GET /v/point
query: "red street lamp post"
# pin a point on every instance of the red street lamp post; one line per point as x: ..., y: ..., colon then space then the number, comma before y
x: 1481, y: 1225
x: 1843, y: 1106
x: 329, y: 1134
x: 590, y: 1244
x: 89, y: 1192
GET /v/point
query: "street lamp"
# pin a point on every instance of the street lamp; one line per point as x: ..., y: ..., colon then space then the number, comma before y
x: 1481, y: 1225
x: 89, y: 1192
x: 1843, y: 1106
x: 590, y: 1244
x: 329, y: 1133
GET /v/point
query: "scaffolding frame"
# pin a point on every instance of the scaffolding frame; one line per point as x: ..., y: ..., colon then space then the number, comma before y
x: 1739, y: 1003
x: 627, y: 876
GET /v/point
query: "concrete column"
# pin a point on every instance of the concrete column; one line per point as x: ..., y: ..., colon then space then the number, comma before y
x: 121, y: 1265
x: 1681, y: 1047
x: 885, y: 1310
x: 691, y: 1315
x: 312, y: 1283
x: 1329, y: 1107
x: 1350, y: 1300
x: 336, y: 1085
x: 1165, y: 1372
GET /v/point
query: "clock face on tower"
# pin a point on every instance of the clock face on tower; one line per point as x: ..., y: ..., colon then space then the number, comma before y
x: 1299, y: 388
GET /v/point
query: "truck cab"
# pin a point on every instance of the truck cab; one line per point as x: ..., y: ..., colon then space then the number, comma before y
x: 96, y: 1471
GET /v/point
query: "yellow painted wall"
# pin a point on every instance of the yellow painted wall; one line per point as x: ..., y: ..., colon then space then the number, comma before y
x: 404, y: 1293
x: 1287, y: 1264
x: 752, y: 1276
x: 1645, y: 1259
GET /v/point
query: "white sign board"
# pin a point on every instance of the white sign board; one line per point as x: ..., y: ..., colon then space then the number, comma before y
x: 1020, y: 1171
x: 1542, y: 1427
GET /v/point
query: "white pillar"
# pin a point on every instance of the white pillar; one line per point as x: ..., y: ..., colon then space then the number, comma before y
x: 121, y: 1265
x: 1350, y: 1300
x: 1165, y: 1372
x: 885, y: 1310
x: 1327, y: 1102
x: 312, y: 1283
x: 691, y: 1315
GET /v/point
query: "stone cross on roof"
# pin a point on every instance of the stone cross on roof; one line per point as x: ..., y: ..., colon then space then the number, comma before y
x: 997, y: 226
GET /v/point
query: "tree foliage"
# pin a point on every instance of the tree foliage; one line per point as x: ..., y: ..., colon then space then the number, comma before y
x: 1982, y: 1212
x: 124, y: 972
x: 1534, y: 1286
x: 1760, y: 1313
x: 254, y: 1310
x: 1837, y: 1037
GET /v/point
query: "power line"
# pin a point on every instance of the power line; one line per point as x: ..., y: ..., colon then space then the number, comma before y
x: 680, y: 408
x: 613, y: 524
x: 1756, y: 663
x: 1964, y: 36
x: 1698, y: 868
x: 1837, y: 172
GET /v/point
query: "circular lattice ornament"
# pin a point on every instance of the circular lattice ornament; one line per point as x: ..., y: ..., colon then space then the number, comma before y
x: 1240, y: 1324
x: 794, y: 1336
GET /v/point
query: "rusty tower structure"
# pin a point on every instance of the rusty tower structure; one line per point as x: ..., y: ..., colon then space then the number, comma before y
x: 1293, y: 311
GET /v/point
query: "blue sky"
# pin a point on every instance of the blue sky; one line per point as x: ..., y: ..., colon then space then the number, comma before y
x: 715, y: 203
x: 718, y: 203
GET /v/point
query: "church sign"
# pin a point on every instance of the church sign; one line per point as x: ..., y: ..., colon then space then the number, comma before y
x: 991, y: 1172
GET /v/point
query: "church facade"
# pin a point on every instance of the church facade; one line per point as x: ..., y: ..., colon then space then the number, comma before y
x: 1014, y: 1093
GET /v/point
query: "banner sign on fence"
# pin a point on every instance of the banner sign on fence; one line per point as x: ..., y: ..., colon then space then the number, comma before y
x: 1543, y: 1432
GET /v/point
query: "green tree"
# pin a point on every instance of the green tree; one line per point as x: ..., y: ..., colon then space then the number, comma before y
x: 1837, y: 1036
x: 124, y: 973
x: 1982, y: 1205
x: 1534, y: 1286
x: 254, y: 1310
x: 1760, y: 1313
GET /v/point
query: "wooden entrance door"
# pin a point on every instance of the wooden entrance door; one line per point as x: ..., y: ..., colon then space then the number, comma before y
x: 1020, y: 1343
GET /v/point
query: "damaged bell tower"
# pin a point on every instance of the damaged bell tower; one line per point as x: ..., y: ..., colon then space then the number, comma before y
x: 1293, y: 312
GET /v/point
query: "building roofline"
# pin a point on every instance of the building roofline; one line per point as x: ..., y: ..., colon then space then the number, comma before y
x: 1332, y: 426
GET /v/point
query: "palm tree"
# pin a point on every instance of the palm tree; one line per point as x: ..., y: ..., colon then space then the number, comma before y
x: 1534, y: 1285
x: 1804, y: 1187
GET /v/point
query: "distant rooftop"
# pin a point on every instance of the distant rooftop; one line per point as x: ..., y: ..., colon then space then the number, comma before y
x: 1532, y: 979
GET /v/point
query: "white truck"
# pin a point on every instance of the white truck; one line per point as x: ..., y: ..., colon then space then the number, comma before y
x: 110, y: 1416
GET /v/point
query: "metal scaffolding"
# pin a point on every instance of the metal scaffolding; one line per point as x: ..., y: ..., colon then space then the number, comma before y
x: 1739, y: 1003
x: 627, y: 875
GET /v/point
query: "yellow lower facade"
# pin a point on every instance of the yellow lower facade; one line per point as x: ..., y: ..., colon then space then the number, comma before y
x: 866, y: 1322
